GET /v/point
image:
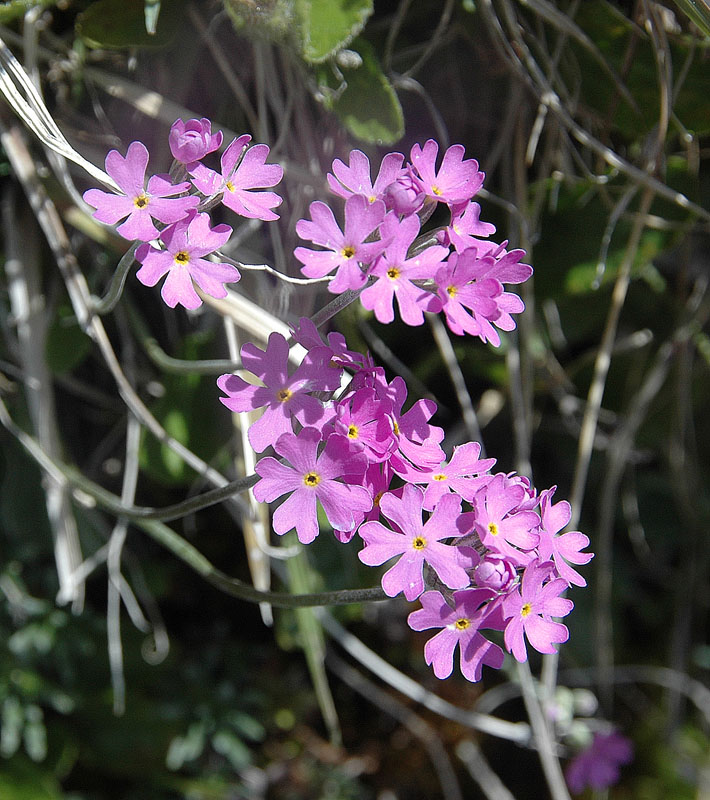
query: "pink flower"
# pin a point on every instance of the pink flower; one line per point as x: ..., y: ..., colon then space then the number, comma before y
x: 285, y: 396
x: 186, y: 243
x: 395, y: 272
x: 364, y: 421
x: 466, y: 229
x: 192, y: 140
x: 565, y: 548
x: 465, y: 474
x: 140, y: 205
x: 529, y: 612
x: 598, y: 765
x: 457, y: 180
x: 469, y: 297
x: 311, y: 479
x: 346, y: 252
x: 461, y: 628
x: 355, y: 178
x: 242, y: 172
x: 502, y: 528
x: 417, y: 543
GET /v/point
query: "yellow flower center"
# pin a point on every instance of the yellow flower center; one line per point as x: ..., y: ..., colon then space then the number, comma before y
x: 311, y: 479
x: 419, y: 543
x: 462, y: 623
x: 376, y: 501
x: 229, y: 186
x: 451, y: 291
x: 348, y: 251
x: 437, y: 191
x: 393, y: 273
x: 352, y: 432
x: 371, y: 198
x: 440, y: 477
x: 141, y: 201
x: 492, y: 529
x: 396, y: 429
x: 182, y: 257
x: 284, y: 395
x: 525, y: 610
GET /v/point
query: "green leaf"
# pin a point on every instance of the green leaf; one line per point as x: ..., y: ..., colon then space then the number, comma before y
x: 698, y: 11
x: 330, y: 25
x: 362, y: 98
x: 118, y: 24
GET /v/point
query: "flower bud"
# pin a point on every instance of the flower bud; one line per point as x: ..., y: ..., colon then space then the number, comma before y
x: 192, y: 140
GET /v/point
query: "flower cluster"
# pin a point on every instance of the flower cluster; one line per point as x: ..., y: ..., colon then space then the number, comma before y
x: 482, y: 551
x: 179, y: 249
x: 456, y: 269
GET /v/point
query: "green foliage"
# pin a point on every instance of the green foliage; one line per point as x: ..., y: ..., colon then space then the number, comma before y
x: 327, y: 26
x: 181, y: 411
x: 119, y: 24
x: 362, y: 97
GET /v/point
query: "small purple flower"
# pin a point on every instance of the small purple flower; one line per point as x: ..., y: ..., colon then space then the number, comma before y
x: 461, y: 628
x: 140, y: 205
x: 418, y: 441
x: 500, y: 526
x: 285, y: 396
x: 417, y: 543
x: 565, y: 548
x: 598, y: 765
x: 529, y: 612
x: 355, y: 178
x: 465, y: 475
x: 186, y: 243
x: 466, y: 229
x: 312, y: 479
x: 242, y: 171
x: 470, y: 298
x: 456, y: 181
x: 395, y: 272
x: 346, y: 252
x: 364, y: 420
x: 192, y: 140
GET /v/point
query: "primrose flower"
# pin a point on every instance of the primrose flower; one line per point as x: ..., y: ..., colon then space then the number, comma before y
x: 345, y: 251
x: 565, y: 548
x: 139, y: 204
x: 456, y: 181
x: 465, y: 474
x: 310, y: 479
x: 363, y: 419
x: 186, y: 243
x: 242, y: 172
x: 417, y: 543
x: 395, y: 272
x: 466, y: 229
x: 500, y: 526
x: 192, y: 140
x: 355, y: 178
x: 464, y: 286
x: 461, y: 628
x: 285, y: 396
x: 529, y: 612
x: 598, y: 765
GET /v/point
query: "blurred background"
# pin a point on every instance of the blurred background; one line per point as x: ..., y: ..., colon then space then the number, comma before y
x: 126, y: 674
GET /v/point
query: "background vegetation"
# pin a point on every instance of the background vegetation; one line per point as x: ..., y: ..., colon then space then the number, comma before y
x: 126, y: 674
